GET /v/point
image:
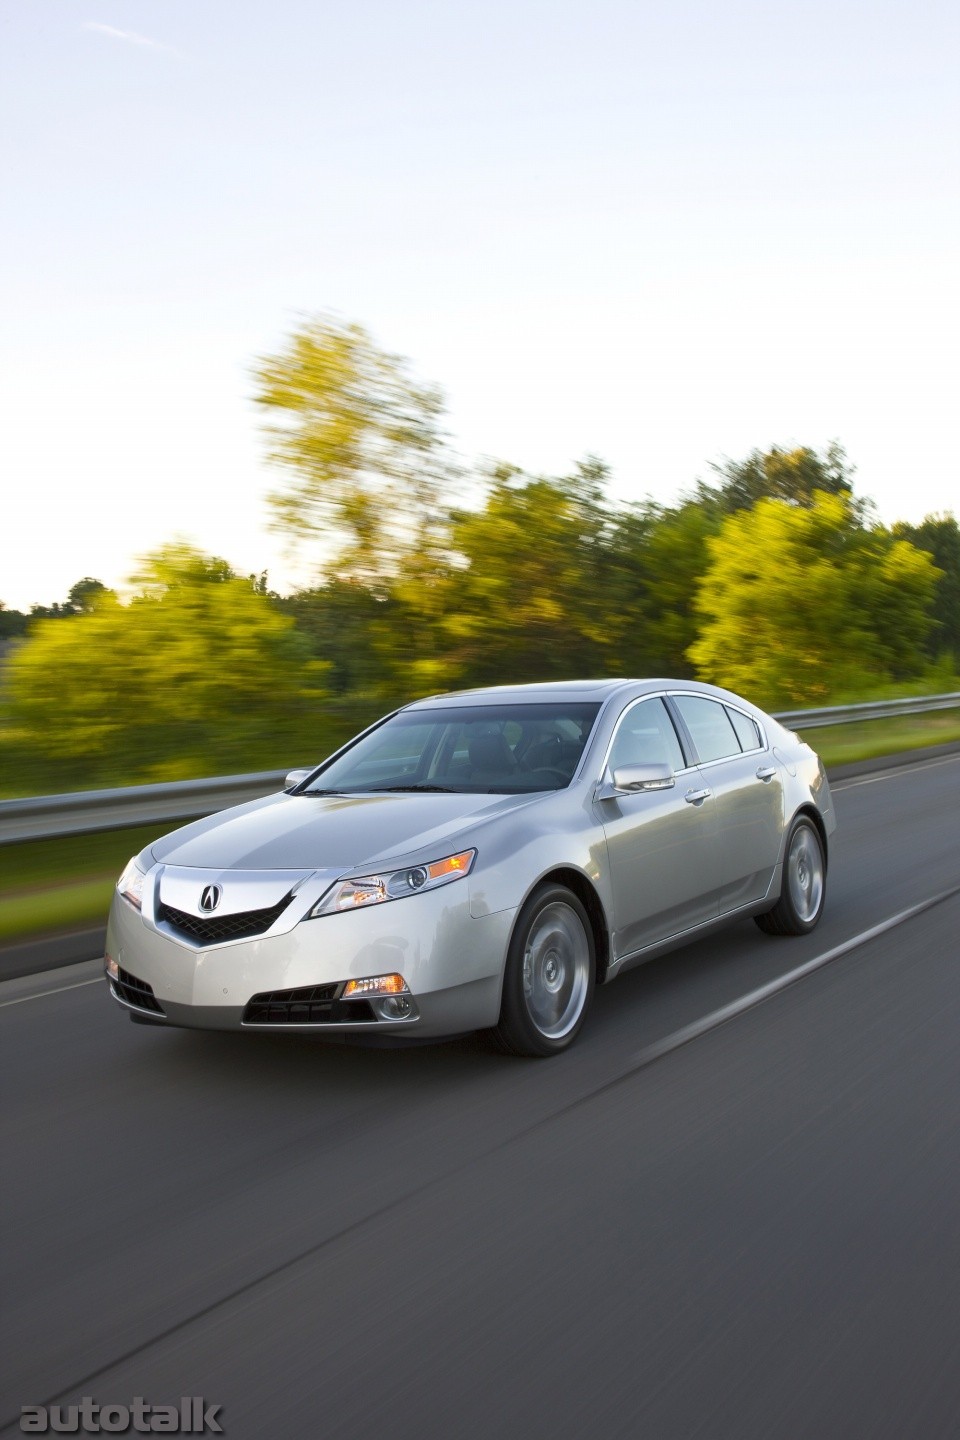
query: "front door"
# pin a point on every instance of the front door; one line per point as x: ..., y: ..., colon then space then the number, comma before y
x: 661, y: 844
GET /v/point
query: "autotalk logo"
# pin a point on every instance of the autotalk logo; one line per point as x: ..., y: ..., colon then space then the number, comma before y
x: 190, y: 1417
x: 210, y: 898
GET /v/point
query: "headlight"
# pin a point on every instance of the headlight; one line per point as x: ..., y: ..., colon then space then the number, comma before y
x: 364, y: 890
x: 130, y: 884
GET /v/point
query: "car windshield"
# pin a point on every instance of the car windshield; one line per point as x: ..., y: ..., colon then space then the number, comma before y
x: 475, y: 749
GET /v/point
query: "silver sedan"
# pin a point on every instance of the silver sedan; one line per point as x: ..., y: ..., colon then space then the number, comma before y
x: 479, y: 860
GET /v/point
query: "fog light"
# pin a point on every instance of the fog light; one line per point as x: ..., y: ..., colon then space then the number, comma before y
x: 394, y: 1007
x: 112, y: 968
x: 375, y: 985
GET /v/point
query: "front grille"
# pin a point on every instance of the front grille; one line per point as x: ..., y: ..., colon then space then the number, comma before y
x: 208, y: 929
x: 136, y: 992
x: 309, y: 1005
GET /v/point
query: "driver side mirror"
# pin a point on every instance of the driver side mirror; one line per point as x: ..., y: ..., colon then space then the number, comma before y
x: 631, y: 779
x: 296, y: 777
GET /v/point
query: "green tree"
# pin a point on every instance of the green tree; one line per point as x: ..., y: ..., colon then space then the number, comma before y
x: 82, y: 597
x: 530, y: 596
x: 341, y: 620
x: 661, y: 555
x: 795, y: 475
x: 939, y: 536
x: 86, y: 594
x: 13, y: 623
x: 56, y: 611
x: 198, y: 674
x: 802, y: 603
x: 369, y: 472
x: 663, y: 550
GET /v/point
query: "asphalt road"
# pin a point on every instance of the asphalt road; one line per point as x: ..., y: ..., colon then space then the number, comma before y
x: 753, y: 1233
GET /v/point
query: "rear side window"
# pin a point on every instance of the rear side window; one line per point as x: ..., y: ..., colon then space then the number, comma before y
x: 710, y: 726
x: 748, y: 731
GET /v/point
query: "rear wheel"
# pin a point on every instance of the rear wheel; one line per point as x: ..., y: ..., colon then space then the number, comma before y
x: 804, y: 884
x: 549, y: 974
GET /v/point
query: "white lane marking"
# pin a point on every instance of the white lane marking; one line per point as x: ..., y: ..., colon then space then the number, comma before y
x: 893, y: 772
x: 756, y: 997
x: 40, y: 994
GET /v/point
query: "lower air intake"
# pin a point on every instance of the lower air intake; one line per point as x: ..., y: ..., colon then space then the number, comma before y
x: 136, y: 992
x: 308, y: 1005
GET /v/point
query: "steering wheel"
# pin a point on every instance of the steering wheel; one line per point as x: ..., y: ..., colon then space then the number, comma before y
x: 554, y: 770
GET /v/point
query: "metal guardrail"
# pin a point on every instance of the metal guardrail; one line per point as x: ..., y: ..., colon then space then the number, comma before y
x: 872, y: 710
x: 45, y: 817
x: 48, y: 816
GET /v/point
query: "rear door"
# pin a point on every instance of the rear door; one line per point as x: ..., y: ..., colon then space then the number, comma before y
x: 747, y: 792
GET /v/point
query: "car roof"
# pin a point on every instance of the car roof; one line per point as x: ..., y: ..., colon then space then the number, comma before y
x: 558, y: 690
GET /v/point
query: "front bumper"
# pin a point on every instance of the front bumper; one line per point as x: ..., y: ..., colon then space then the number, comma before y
x: 452, y: 963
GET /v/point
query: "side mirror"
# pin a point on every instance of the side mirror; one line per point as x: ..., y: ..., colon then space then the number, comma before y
x: 296, y: 777
x: 631, y: 779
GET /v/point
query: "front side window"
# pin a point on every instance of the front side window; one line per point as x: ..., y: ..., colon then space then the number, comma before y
x: 646, y: 736
x: 710, y: 727
x: 497, y: 749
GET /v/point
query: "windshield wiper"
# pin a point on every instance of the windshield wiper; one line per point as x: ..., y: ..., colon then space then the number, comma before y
x: 438, y: 789
x: 324, y: 792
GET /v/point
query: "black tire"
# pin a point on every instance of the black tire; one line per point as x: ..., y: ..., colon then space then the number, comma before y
x: 804, y: 890
x: 549, y: 977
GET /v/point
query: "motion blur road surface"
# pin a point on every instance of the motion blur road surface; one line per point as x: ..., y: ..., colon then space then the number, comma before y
x: 752, y: 1234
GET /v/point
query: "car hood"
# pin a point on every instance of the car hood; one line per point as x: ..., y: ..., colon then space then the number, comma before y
x: 330, y: 832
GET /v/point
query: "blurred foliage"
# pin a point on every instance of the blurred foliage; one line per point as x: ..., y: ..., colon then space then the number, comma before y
x: 12, y: 623
x: 939, y: 536
x: 800, y: 601
x: 80, y: 601
x: 773, y: 579
x: 197, y: 674
x: 368, y: 468
x: 663, y: 555
x: 535, y: 590
x: 85, y: 595
x: 795, y: 476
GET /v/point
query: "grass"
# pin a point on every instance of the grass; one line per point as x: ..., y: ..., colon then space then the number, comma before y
x: 63, y: 884
x: 66, y: 884
x: 69, y: 907
x: 868, y: 739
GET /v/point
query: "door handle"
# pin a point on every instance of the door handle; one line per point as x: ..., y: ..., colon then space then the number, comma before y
x: 697, y: 797
x: 766, y: 772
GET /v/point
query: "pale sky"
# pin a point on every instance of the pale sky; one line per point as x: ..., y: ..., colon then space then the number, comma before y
x: 661, y: 233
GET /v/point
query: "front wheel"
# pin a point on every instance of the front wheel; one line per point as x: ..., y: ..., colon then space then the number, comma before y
x: 804, y: 884
x: 549, y: 974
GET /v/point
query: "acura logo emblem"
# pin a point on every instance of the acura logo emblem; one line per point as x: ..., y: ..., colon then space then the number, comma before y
x: 210, y: 898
